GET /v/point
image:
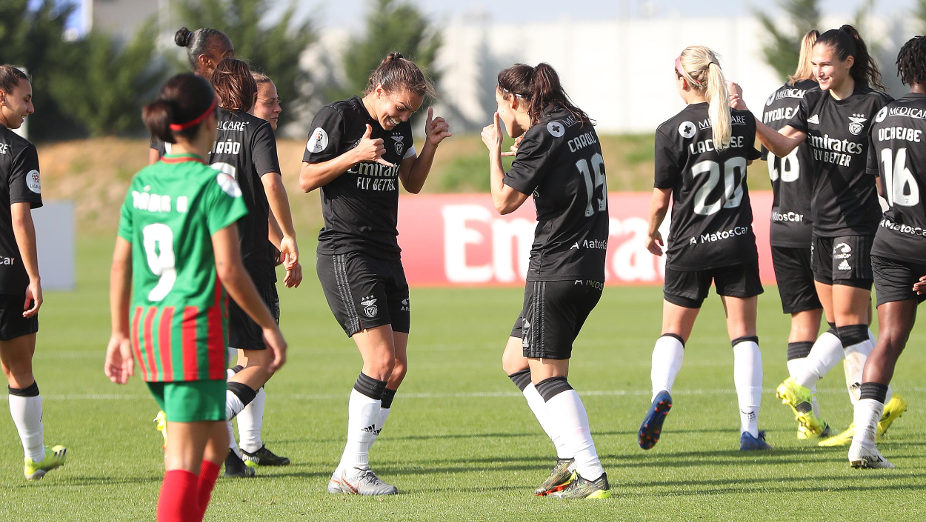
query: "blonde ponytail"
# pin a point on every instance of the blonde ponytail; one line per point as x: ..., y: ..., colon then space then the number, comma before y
x: 702, y: 70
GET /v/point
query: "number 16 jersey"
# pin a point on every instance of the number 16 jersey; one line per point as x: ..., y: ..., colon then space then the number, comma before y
x: 711, y: 223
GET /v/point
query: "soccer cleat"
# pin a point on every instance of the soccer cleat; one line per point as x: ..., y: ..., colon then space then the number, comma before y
x: 866, y: 456
x: 584, y: 488
x: 840, y: 439
x: 334, y: 483
x: 799, y: 398
x: 160, y: 424
x: 235, y: 467
x: 803, y: 433
x: 53, y: 458
x: 652, y: 423
x: 562, y: 475
x: 892, y: 411
x: 263, y: 457
x: 365, y: 482
x: 750, y: 443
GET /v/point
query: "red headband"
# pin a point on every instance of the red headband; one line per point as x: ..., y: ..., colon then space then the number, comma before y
x: 681, y: 72
x: 181, y: 126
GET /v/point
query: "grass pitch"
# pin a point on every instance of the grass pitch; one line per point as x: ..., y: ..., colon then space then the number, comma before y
x: 461, y: 443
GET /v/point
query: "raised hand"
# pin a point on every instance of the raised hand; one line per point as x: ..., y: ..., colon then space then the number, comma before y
x: 513, y: 150
x: 436, y: 129
x: 368, y: 149
x: 492, y: 135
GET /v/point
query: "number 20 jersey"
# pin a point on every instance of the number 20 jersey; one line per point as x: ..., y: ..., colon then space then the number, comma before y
x: 178, y: 315
x: 898, y: 155
x: 559, y: 161
x: 711, y: 223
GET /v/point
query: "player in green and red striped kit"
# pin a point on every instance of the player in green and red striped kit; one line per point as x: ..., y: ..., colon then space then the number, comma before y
x: 176, y: 254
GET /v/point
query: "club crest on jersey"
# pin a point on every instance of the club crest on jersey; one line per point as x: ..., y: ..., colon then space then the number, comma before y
x: 881, y: 115
x: 318, y: 141
x: 34, y: 182
x: 556, y: 129
x: 855, y: 123
x: 369, y: 306
x: 687, y: 129
x: 398, y: 143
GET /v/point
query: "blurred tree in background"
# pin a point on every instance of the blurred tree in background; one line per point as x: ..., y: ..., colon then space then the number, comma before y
x: 272, y: 47
x: 784, y: 49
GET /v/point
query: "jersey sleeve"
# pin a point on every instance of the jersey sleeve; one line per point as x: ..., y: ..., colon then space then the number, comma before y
x: 223, y: 202
x: 327, y: 130
x: 668, y: 165
x: 799, y: 120
x: 534, y: 154
x: 125, y: 216
x: 25, y: 181
x: 264, y: 151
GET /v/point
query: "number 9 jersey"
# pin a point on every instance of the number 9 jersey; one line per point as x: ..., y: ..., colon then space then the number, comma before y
x: 559, y: 161
x: 897, y: 154
x: 178, y: 308
x: 711, y: 222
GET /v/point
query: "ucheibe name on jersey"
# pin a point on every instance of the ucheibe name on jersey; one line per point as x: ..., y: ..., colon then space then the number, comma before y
x: 899, y: 133
x: 157, y: 203
x: 581, y: 141
x: 698, y: 147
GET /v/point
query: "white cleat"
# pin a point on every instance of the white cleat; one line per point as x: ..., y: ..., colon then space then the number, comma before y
x: 867, y: 456
x: 363, y: 482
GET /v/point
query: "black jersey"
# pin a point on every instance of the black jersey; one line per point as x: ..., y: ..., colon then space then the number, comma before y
x: 559, y: 161
x: 246, y: 149
x: 844, y: 198
x: 792, y: 176
x: 157, y: 144
x: 19, y: 168
x: 361, y: 205
x: 711, y: 223
x: 898, y: 156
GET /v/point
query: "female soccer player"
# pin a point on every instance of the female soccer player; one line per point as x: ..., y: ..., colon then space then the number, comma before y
x: 701, y: 159
x: 558, y: 160
x: 245, y: 148
x: 898, y: 254
x: 357, y: 153
x: 834, y: 119
x: 206, y: 47
x: 790, y: 230
x: 20, y: 284
x: 176, y: 255
x: 267, y: 107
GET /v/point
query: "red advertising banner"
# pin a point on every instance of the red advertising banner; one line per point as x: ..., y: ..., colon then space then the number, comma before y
x: 460, y: 239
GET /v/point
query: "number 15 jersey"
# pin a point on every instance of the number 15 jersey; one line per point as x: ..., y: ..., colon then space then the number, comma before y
x: 711, y: 223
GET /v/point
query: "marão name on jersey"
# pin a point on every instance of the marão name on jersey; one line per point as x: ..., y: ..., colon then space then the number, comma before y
x: 903, y: 229
x: 226, y: 147
x: 157, y: 203
x: 899, y: 133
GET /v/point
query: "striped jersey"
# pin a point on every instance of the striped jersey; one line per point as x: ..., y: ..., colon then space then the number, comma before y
x: 178, y: 323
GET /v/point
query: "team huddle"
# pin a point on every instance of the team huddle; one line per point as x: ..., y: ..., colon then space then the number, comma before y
x: 204, y: 226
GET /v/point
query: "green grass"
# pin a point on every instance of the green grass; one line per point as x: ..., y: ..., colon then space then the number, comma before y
x: 461, y: 444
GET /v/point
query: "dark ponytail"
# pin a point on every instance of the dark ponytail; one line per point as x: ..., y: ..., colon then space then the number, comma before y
x: 10, y: 77
x: 183, y: 101
x: 847, y: 42
x: 198, y: 42
x: 396, y: 73
x: 540, y: 88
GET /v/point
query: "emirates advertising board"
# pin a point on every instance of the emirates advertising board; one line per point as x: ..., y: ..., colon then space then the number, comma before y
x: 460, y: 240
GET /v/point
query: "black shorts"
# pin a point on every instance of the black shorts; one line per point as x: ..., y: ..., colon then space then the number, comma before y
x: 243, y: 332
x: 365, y: 292
x: 689, y: 288
x: 843, y: 260
x: 894, y: 279
x: 553, y: 314
x: 12, y: 322
x: 795, y: 279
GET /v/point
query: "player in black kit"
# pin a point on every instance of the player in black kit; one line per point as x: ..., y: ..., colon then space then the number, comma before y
x: 790, y: 230
x: 20, y: 284
x: 358, y: 152
x: 834, y: 119
x: 701, y: 158
x: 245, y: 148
x: 898, y: 255
x: 559, y: 161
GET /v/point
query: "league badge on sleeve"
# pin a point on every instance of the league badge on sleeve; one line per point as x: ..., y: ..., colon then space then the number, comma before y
x: 34, y: 182
x: 318, y: 141
x: 556, y: 129
x: 687, y: 129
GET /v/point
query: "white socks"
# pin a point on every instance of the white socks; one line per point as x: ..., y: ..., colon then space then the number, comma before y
x: 27, y: 416
x: 667, y: 361
x: 747, y: 377
x: 251, y: 421
x: 535, y: 401
x: 363, y: 413
x: 866, y: 415
x: 571, y: 423
x: 233, y: 405
x: 826, y: 353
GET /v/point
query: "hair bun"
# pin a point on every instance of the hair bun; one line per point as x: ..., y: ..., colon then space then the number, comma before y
x: 393, y: 56
x: 183, y: 37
